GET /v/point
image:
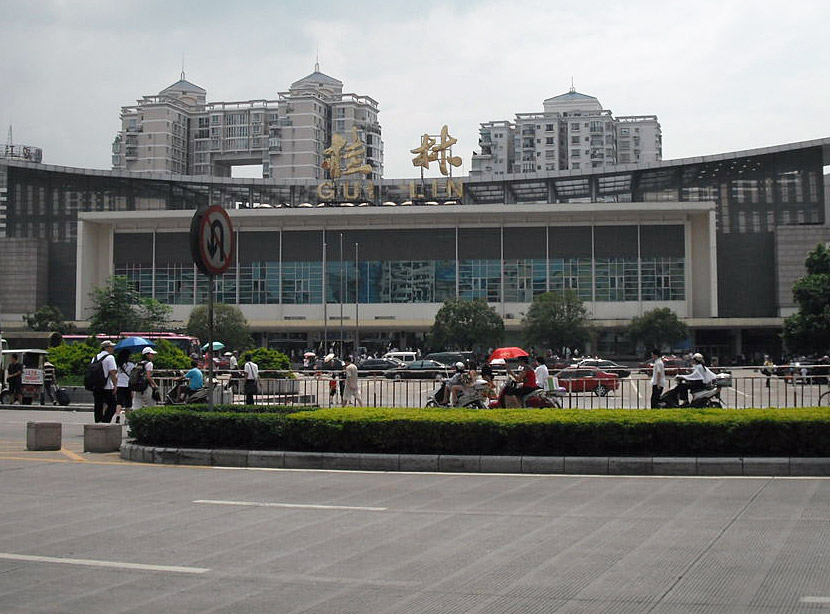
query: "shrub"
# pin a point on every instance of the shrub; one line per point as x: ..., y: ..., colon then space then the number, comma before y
x: 269, y: 360
x: 693, y: 432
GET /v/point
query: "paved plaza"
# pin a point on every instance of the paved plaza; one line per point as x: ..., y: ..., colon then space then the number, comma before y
x: 93, y: 533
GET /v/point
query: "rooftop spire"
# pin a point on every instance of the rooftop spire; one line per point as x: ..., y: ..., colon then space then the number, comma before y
x: 573, y: 89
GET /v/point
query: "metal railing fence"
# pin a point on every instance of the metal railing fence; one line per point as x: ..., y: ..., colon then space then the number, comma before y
x: 749, y: 389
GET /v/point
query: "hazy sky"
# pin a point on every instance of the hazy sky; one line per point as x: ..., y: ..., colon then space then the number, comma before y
x: 721, y: 75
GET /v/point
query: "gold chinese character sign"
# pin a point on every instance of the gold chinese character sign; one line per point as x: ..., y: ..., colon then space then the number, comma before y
x: 353, y: 156
x: 432, y: 150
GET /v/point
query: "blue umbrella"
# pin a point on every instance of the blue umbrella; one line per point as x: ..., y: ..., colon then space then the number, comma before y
x: 134, y: 343
x: 217, y: 345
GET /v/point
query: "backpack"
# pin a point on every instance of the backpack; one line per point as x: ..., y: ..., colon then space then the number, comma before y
x: 94, y: 378
x: 138, y: 377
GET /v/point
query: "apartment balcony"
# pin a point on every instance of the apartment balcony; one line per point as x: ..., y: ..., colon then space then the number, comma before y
x: 275, y: 144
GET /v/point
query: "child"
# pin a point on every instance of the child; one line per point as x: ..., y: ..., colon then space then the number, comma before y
x: 332, y: 389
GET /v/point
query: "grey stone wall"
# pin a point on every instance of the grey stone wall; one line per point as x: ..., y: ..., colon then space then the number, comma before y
x: 24, y: 270
x: 792, y: 244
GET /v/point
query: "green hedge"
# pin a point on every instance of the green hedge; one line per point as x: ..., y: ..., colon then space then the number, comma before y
x: 693, y: 432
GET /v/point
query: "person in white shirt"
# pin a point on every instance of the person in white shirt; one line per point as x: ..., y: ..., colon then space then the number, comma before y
x: 658, y: 378
x: 233, y: 361
x: 146, y: 397
x: 123, y: 395
x: 542, y: 373
x: 251, y: 381
x: 102, y: 398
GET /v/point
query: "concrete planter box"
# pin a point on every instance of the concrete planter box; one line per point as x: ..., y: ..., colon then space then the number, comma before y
x: 43, y: 435
x: 102, y: 437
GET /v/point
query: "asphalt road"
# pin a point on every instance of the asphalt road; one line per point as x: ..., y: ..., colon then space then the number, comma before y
x: 92, y: 533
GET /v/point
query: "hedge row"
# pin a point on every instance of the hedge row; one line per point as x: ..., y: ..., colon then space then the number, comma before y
x: 693, y: 432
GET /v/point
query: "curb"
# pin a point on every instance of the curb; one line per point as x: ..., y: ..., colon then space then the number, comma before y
x: 446, y: 463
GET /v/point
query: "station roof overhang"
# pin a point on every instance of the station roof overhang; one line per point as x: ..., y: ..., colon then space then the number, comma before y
x: 512, y: 215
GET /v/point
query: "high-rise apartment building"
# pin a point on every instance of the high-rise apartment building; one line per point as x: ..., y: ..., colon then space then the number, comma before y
x: 178, y: 131
x: 573, y: 132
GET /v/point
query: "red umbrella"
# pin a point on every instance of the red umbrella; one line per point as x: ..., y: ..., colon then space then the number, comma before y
x: 508, y: 353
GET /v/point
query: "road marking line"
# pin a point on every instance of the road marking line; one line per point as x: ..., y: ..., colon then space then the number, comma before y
x: 815, y: 600
x: 95, y: 563
x: 306, y: 506
x: 70, y: 454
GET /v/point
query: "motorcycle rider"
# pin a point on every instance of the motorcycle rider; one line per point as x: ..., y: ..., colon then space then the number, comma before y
x: 456, y: 384
x: 698, y: 379
x: 523, y: 382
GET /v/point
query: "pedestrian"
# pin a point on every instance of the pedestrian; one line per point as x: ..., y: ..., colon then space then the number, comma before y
x: 150, y: 394
x: 123, y: 395
x: 105, y: 397
x: 542, y: 373
x: 49, y: 383
x: 233, y: 361
x: 14, y: 378
x: 768, y: 369
x: 332, y: 389
x: 251, y: 381
x: 351, y: 389
x: 658, y: 378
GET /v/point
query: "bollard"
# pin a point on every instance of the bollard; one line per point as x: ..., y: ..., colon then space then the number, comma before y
x: 102, y: 437
x: 43, y: 435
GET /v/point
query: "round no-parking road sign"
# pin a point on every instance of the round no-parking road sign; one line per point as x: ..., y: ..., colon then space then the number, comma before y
x: 212, y: 240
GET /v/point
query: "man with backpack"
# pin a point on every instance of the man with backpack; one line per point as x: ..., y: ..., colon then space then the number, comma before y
x: 141, y: 381
x: 103, y: 375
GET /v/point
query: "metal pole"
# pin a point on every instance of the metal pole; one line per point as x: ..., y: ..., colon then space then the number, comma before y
x: 210, y: 342
x: 325, y: 304
x: 356, y: 302
x: 342, y: 289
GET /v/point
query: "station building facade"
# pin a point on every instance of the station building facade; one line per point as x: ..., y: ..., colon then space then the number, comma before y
x: 718, y: 239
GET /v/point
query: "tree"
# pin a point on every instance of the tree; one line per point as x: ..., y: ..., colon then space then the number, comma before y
x: 114, y: 307
x: 229, y: 326
x: 48, y: 318
x: 808, y: 331
x: 465, y: 325
x: 118, y: 307
x: 657, y: 328
x: 154, y: 315
x: 557, y: 319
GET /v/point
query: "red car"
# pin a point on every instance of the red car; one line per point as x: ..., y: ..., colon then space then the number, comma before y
x: 674, y: 366
x: 588, y: 379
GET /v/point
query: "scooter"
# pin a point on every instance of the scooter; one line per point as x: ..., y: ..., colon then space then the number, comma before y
x: 539, y: 398
x: 706, y: 396
x: 473, y: 397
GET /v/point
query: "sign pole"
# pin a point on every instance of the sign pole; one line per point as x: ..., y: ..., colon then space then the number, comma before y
x: 210, y: 341
x: 212, y: 248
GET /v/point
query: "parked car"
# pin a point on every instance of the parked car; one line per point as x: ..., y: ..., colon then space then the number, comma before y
x: 335, y: 364
x: 588, y: 379
x: 377, y: 366
x: 609, y: 366
x: 805, y: 371
x: 674, y: 366
x: 450, y: 358
x: 419, y: 369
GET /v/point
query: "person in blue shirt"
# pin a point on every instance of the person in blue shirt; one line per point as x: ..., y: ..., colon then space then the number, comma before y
x: 195, y: 378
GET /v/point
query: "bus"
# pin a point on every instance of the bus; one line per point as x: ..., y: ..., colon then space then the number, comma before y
x: 186, y: 343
